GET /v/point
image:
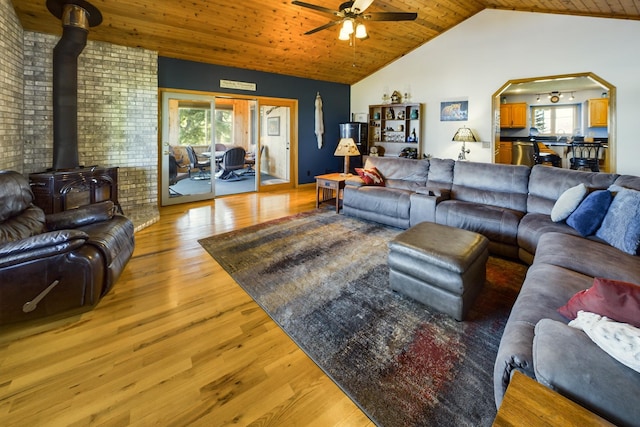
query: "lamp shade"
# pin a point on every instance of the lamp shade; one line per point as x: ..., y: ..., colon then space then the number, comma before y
x: 347, y: 147
x: 464, y: 134
x: 361, y: 31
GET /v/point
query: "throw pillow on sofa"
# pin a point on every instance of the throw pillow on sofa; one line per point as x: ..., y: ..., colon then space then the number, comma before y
x: 614, y: 299
x: 370, y: 176
x: 586, y: 219
x: 568, y: 202
x: 621, y: 225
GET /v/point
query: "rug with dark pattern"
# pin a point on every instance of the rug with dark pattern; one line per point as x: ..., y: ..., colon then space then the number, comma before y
x: 324, y: 279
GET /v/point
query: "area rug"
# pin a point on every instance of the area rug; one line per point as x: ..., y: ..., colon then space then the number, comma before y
x: 323, y: 278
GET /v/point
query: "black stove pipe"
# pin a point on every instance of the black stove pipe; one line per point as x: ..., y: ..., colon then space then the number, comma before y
x: 65, y: 98
x: 77, y: 16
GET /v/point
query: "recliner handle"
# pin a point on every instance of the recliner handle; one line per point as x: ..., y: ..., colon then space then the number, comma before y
x: 29, y: 306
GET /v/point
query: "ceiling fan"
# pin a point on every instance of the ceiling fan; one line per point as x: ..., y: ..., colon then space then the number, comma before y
x: 351, y: 14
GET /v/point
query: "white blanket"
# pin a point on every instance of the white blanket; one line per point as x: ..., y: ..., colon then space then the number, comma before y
x: 319, y: 129
x: 620, y: 340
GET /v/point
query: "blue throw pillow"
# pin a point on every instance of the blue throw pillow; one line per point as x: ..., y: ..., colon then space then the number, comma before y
x: 621, y: 226
x: 589, y: 214
x: 568, y: 202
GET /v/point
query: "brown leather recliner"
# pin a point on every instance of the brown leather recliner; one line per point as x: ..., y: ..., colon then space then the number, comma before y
x: 58, y: 263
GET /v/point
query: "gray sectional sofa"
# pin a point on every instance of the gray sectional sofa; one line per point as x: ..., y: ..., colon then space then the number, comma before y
x: 511, y: 205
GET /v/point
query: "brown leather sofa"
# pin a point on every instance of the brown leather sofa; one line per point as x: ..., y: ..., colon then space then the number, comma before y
x: 59, y: 263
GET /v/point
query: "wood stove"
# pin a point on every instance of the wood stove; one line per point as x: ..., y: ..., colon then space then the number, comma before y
x: 58, y: 191
x: 67, y: 185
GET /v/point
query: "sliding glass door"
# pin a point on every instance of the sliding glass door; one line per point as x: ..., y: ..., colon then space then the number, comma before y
x: 203, y: 133
x: 236, y: 121
x: 188, y: 148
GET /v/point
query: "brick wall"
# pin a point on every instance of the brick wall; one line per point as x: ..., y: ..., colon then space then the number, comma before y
x: 11, y: 83
x: 117, y: 116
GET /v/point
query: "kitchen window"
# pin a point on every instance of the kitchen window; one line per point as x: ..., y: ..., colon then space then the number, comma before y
x: 555, y: 120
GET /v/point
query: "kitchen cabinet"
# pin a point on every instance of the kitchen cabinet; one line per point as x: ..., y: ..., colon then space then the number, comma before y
x: 513, y: 115
x: 394, y: 124
x: 504, y: 152
x: 598, y: 112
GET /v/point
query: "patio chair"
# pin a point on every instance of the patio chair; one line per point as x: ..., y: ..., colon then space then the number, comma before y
x: 232, y: 161
x: 204, y: 168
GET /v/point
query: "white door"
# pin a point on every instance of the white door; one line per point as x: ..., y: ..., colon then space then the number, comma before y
x: 278, y: 144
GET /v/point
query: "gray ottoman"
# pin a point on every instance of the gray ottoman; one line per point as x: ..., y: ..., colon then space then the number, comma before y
x: 440, y: 266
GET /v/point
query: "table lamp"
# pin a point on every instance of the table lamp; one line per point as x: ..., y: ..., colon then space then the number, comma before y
x: 464, y: 134
x: 346, y: 147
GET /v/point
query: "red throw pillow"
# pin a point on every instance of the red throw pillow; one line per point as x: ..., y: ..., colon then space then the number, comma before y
x: 617, y: 300
x: 371, y: 176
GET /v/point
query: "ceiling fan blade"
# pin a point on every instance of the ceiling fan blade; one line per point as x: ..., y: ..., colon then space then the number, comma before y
x: 361, y: 5
x: 391, y: 16
x: 323, y: 27
x: 315, y: 7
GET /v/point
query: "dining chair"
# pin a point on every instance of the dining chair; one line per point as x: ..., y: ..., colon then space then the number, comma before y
x: 232, y: 161
x: 204, y: 168
x: 585, y: 155
x: 544, y: 155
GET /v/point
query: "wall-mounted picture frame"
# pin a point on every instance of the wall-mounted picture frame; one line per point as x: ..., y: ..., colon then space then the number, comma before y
x: 454, y: 111
x: 273, y: 126
x: 360, y: 117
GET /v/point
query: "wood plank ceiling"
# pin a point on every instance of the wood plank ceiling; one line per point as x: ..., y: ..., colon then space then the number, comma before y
x: 269, y: 35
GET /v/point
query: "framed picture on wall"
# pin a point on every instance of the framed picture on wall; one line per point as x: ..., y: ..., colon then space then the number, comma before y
x: 360, y: 117
x: 273, y: 126
x: 454, y: 111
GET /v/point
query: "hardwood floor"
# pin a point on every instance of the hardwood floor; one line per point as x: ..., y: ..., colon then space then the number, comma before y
x: 177, y: 342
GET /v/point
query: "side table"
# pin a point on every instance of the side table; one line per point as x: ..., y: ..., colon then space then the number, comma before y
x: 529, y: 403
x: 330, y: 186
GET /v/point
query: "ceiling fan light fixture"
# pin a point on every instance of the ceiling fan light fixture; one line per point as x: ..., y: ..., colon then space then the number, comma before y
x: 344, y: 35
x: 349, y: 14
x: 347, y: 26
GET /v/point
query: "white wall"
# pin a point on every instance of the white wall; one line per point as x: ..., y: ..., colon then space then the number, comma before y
x: 474, y: 59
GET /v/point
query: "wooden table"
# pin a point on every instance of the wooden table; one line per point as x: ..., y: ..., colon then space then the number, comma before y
x: 529, y: 403
x: 330, y: 185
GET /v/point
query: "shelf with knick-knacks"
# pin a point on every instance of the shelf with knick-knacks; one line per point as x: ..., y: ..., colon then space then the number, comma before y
x: 394, y: 124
